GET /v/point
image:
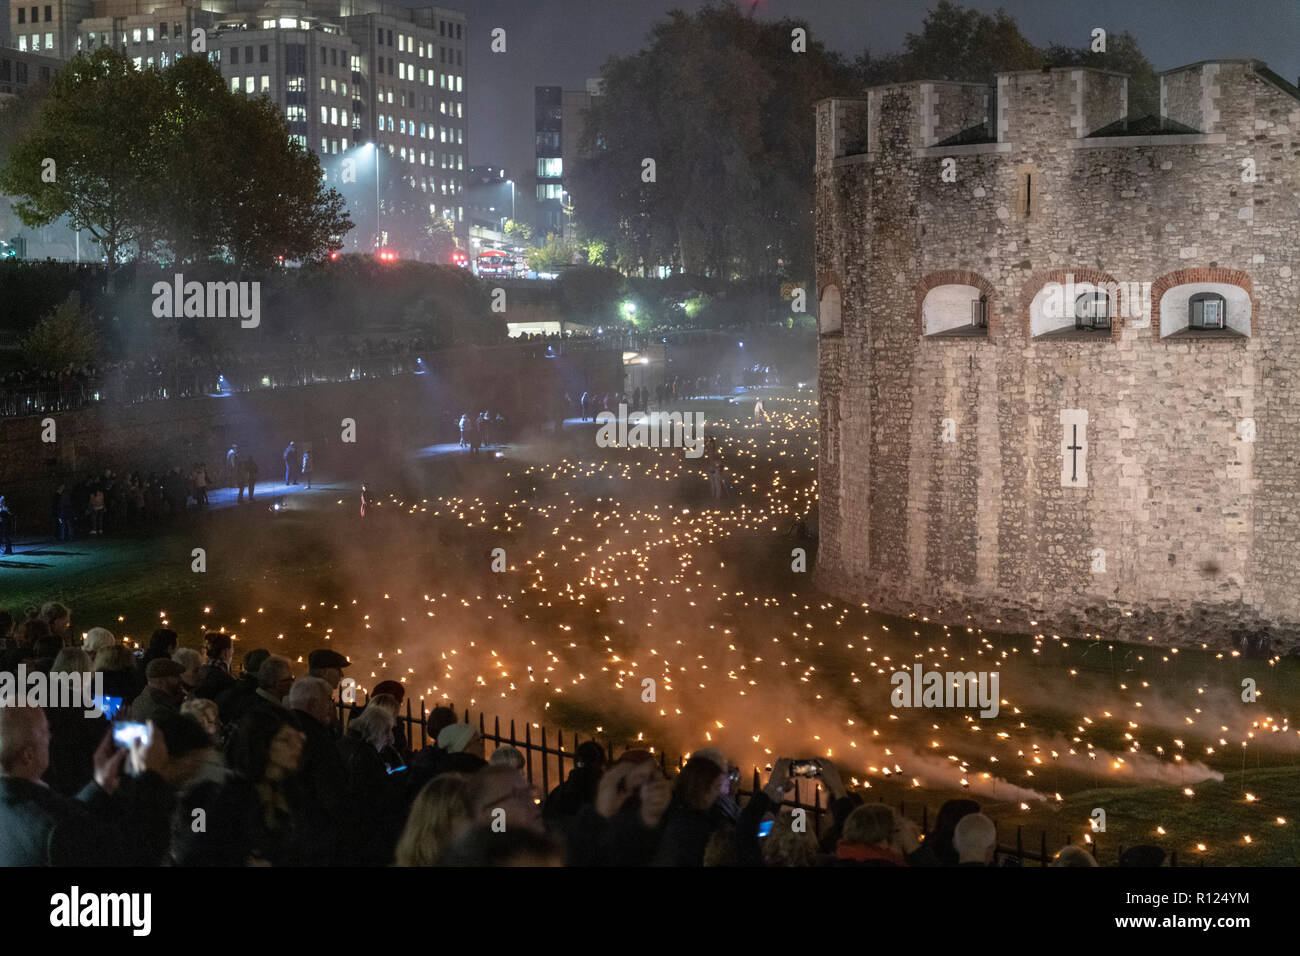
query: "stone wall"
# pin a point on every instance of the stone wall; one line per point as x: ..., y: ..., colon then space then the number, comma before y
x: 1182, y: 529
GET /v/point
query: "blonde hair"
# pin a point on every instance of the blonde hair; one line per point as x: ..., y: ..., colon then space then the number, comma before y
x: 785, y: 847
x: 871, y: 823
x: 116, y: 657
x: 440, y: 812
x: 71, y: 660
x: 204, y: 712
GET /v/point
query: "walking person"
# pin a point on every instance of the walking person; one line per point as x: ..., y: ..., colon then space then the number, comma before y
x: 234, y: 475
x: 464, y: 430
x: 250, y: 477
x: 201, y: 485
x: 715, y: 479
x: 290, y: 456
x: 586, y: 406
x: 365, y: 500
x: 97, y: 511
x: 62, y: 510
x: 6, y: 526
x: 307, y: 466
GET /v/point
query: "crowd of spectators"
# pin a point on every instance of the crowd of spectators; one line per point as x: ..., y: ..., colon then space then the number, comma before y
x: 265, y: 759
x: 106, y: 503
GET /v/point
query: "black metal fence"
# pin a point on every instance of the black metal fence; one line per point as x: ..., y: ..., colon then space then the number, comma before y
x: 545, y: 757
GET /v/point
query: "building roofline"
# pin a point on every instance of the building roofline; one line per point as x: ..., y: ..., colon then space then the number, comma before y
x: 1187, y: 66
x: 882, y: 86
x: 1063, y: 69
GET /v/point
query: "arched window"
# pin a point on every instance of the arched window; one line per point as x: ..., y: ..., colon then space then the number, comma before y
x: 1092, y: 311
x: 828, y: 310
x: 1204, y: 310
x: 1207, y: 310
x: 955, y: 309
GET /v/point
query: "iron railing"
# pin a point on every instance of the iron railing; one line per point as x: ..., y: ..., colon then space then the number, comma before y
x: 545, y: 757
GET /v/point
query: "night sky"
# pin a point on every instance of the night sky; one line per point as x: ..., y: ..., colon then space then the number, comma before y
x: 563, y: 42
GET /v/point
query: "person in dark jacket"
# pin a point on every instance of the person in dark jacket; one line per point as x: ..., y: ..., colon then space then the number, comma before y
x: 254, y: 815
x: 39, y: 827
x: 163, y: 643
x: 369, y: 836
x: 939, y: 840
x: 74, y: 737
x: 692, y: 818
x: 622, y: 826
x: 164, y: 694
x: 214, y: 675
x: 570, y: 796
x: 323, y: 773
x: 234, y: 699
x: 6, y: 526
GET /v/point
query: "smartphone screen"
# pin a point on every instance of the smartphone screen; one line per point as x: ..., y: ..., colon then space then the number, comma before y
x: 396, y: 769
x: 765, y: 828
x: 126, y: 732
x: 110, y: 706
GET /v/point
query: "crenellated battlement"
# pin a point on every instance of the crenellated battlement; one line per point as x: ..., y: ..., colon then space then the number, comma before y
x: 1023, y: 107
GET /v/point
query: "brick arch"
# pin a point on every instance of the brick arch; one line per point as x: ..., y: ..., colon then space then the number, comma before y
x: 1036, y: 282
x: 828, y: 278
x: 1202, y: 274
x: 954, y: 277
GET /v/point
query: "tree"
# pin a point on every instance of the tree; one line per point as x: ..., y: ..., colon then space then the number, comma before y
x: 954, y: 44
x: 64, y: 337
x: 95, y: 127
x: 1123, y: 56
x: 590, y: 292
x: 274, y: 201
x: 518, y: 231
x: 960, y: 44
x: 552, y: 254
x: 723, y: 106
x: 173, y: 163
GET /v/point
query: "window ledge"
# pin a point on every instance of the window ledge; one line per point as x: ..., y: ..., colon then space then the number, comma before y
x: 1205, y: 335
x: 961, y: 332
x: 1071, y: 334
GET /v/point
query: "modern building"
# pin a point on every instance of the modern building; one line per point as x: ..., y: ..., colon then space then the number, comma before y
x: 1057, y: 353
x: 20, y: 70
x: 47, y: 27
x: 558, y: 127
x: 376, y: 89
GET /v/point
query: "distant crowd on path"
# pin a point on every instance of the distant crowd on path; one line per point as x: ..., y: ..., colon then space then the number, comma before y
x: 284, y: 783
x: 480, y: 429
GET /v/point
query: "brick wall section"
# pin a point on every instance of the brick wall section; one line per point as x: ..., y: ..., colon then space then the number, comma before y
x: 1199, y: 527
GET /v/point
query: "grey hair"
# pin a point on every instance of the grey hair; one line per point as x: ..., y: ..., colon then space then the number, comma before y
x: 307, y: 689
x: 273, y: 670
x: 374, y: 725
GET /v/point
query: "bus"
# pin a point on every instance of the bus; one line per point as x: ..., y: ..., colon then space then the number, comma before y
x: 494, y: 262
